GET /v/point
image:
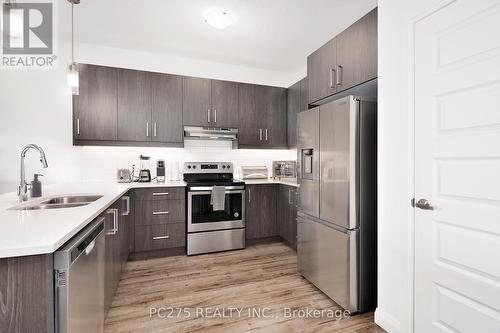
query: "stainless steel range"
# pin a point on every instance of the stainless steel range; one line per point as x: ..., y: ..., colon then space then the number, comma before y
x: 215, y: 208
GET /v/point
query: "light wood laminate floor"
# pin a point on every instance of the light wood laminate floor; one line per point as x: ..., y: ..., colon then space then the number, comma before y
x: 261, y: 277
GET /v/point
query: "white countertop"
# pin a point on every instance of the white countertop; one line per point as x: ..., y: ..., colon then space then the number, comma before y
x: 31, y: 232
x: 284, y: 181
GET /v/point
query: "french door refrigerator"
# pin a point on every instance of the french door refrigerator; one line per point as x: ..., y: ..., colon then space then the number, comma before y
x: 337, y: 218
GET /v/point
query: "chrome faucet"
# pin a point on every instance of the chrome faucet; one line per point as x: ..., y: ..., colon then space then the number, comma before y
x: 22, y: 189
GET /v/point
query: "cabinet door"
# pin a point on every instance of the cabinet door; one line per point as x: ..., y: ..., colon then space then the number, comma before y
x: 292, y: 108
x: 134, y: 105
x: 252, y: 212
x: 224, y: 104
x: 321, y: 67
x: 357, y: 52
x: 95, y: 108
x: 197, y: 100
x: 267, y: 200
x: 271, y: 110
x: 248, y: 117
x: 304, y: 94
x: 166, y: 108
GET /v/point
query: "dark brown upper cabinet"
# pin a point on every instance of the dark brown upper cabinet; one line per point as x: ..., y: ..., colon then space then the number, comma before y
x: 345, y: 61
x: 262, y: 116
x: 210, y: 102
x: 321, y: 68
x: 224, y: 112
x: 166, y: 113
x: 357, y: 52
x: 134, y: 105
x: 197, y: 101
x: 296, y: 102
x: 95, y: 108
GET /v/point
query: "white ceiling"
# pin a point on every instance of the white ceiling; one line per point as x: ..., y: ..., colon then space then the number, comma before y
x: 269, y: 34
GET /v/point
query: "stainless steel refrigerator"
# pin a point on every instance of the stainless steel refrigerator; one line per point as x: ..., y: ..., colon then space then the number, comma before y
x: 337, y: 219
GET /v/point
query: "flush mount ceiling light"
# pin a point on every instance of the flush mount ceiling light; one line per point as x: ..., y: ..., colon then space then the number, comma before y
x: 219, y: 18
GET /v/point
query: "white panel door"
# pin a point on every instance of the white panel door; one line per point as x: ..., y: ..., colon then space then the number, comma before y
x: 457, y: 168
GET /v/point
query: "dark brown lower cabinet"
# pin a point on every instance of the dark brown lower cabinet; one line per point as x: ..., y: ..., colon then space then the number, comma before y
x: 27, y: 294
x: 287, y: 214
x: 260, y: 211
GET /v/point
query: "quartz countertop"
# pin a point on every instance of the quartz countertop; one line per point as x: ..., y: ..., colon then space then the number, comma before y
x: 32, y: 232
x: 284, y: 181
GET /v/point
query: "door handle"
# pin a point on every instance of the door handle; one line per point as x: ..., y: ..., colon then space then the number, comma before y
x: 147, y: 129
x: 340, y: 71
x: 208, y: 115
x: 160, y: 213
x: 423, y: 204
x: 332, y: 74
x: 114, y: 230
x: 78, y: 126
x: 260, y: 134
x: 249, y: 195
x: 154, y: 128
x: 161, y: 237
x: 266, y: 134
x: 290, y: 197
x: 215, y: 115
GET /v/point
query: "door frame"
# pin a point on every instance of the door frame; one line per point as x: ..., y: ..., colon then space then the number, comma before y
x: 412, y: 157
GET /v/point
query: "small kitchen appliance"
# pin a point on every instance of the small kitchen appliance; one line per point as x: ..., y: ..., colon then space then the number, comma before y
x: 145, y: 172
x: 215, y: 208
x: 160, y: 171
x: 123, y: 176
x: 284, y: 169
x: 254, y: 172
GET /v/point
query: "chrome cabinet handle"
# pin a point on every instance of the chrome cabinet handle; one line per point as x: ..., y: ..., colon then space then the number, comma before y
x: 249, y: 195
x: 114, y: 230
x: 340, y: 70
x: 161, y: 237
x: 160, y: 213
x: 147, y: 129
x: 332, y: 74
x: 290, y: 197
x: 127, y: 199
x: 208, y: 115
x: 154, y: 129
x: 424, y: 204
x: 78, y: 126
x: 215, y: 115
x: 260, y: 134
x: 160, y: 193
x: 266, y: 134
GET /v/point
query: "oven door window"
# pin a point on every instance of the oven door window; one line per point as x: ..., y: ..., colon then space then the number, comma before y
x: 202, y: 211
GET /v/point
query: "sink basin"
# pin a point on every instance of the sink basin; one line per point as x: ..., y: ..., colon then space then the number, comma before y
x: 72, y: 199
x: 67, y: 201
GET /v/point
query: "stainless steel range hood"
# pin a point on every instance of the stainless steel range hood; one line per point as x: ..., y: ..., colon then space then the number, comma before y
x: 210, y: 133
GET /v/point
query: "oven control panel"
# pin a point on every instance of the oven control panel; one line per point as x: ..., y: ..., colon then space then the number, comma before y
x: 208, y: 167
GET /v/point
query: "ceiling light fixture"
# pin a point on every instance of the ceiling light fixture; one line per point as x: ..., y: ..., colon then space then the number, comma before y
x: 219, y: 18
x: 72, y: 77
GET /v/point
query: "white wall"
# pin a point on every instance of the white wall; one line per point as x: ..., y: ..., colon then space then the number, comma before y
x: 395, y: 227
x: 35, y: 107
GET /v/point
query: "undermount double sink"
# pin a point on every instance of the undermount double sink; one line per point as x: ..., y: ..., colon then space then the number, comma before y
x: 67, y: 201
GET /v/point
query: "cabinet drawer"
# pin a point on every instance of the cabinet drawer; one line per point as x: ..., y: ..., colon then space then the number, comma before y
x: 162, y: 236
x: 159, y: 212
x: 159, y: 193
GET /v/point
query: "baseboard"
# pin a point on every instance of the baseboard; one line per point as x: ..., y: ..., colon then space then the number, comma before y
x: 145, y: 255
x: 387, y: 321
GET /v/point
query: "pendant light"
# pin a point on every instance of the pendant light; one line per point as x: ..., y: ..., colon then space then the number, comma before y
x: 72, y: 74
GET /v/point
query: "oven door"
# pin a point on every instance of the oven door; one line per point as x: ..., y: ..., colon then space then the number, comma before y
x: 201, y: 216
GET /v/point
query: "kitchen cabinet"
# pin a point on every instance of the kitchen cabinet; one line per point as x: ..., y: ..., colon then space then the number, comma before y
x: 134, y: 105
x: 287, y: 214
x: 260, y: 211
x: 357, y: 52
x: 159, y: 219
x: 210, y: 102
x: 321, y: 67
x: 95, y: 108
x: 166, y: 112
x: 347, y: 60
x: 296, y: 102
x: 262, y: 113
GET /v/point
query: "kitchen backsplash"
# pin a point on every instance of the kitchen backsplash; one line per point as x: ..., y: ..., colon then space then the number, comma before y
x: 101, y: 163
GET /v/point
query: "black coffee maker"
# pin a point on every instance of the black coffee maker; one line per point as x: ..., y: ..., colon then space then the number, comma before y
x: 145, y: 172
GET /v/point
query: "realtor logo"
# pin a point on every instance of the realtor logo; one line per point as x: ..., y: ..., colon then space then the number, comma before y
x: 28, y: 34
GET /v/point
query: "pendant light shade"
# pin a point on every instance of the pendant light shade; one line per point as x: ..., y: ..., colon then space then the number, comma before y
x: 72, y: 75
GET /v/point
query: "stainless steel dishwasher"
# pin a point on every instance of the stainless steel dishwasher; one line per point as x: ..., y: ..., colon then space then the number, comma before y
x: 79, y: 281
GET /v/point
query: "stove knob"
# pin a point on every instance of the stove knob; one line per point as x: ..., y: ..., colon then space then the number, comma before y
x: 223, y: 167
x: 189, y: 167
x: 229, y: 167
x: 194, y: 166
